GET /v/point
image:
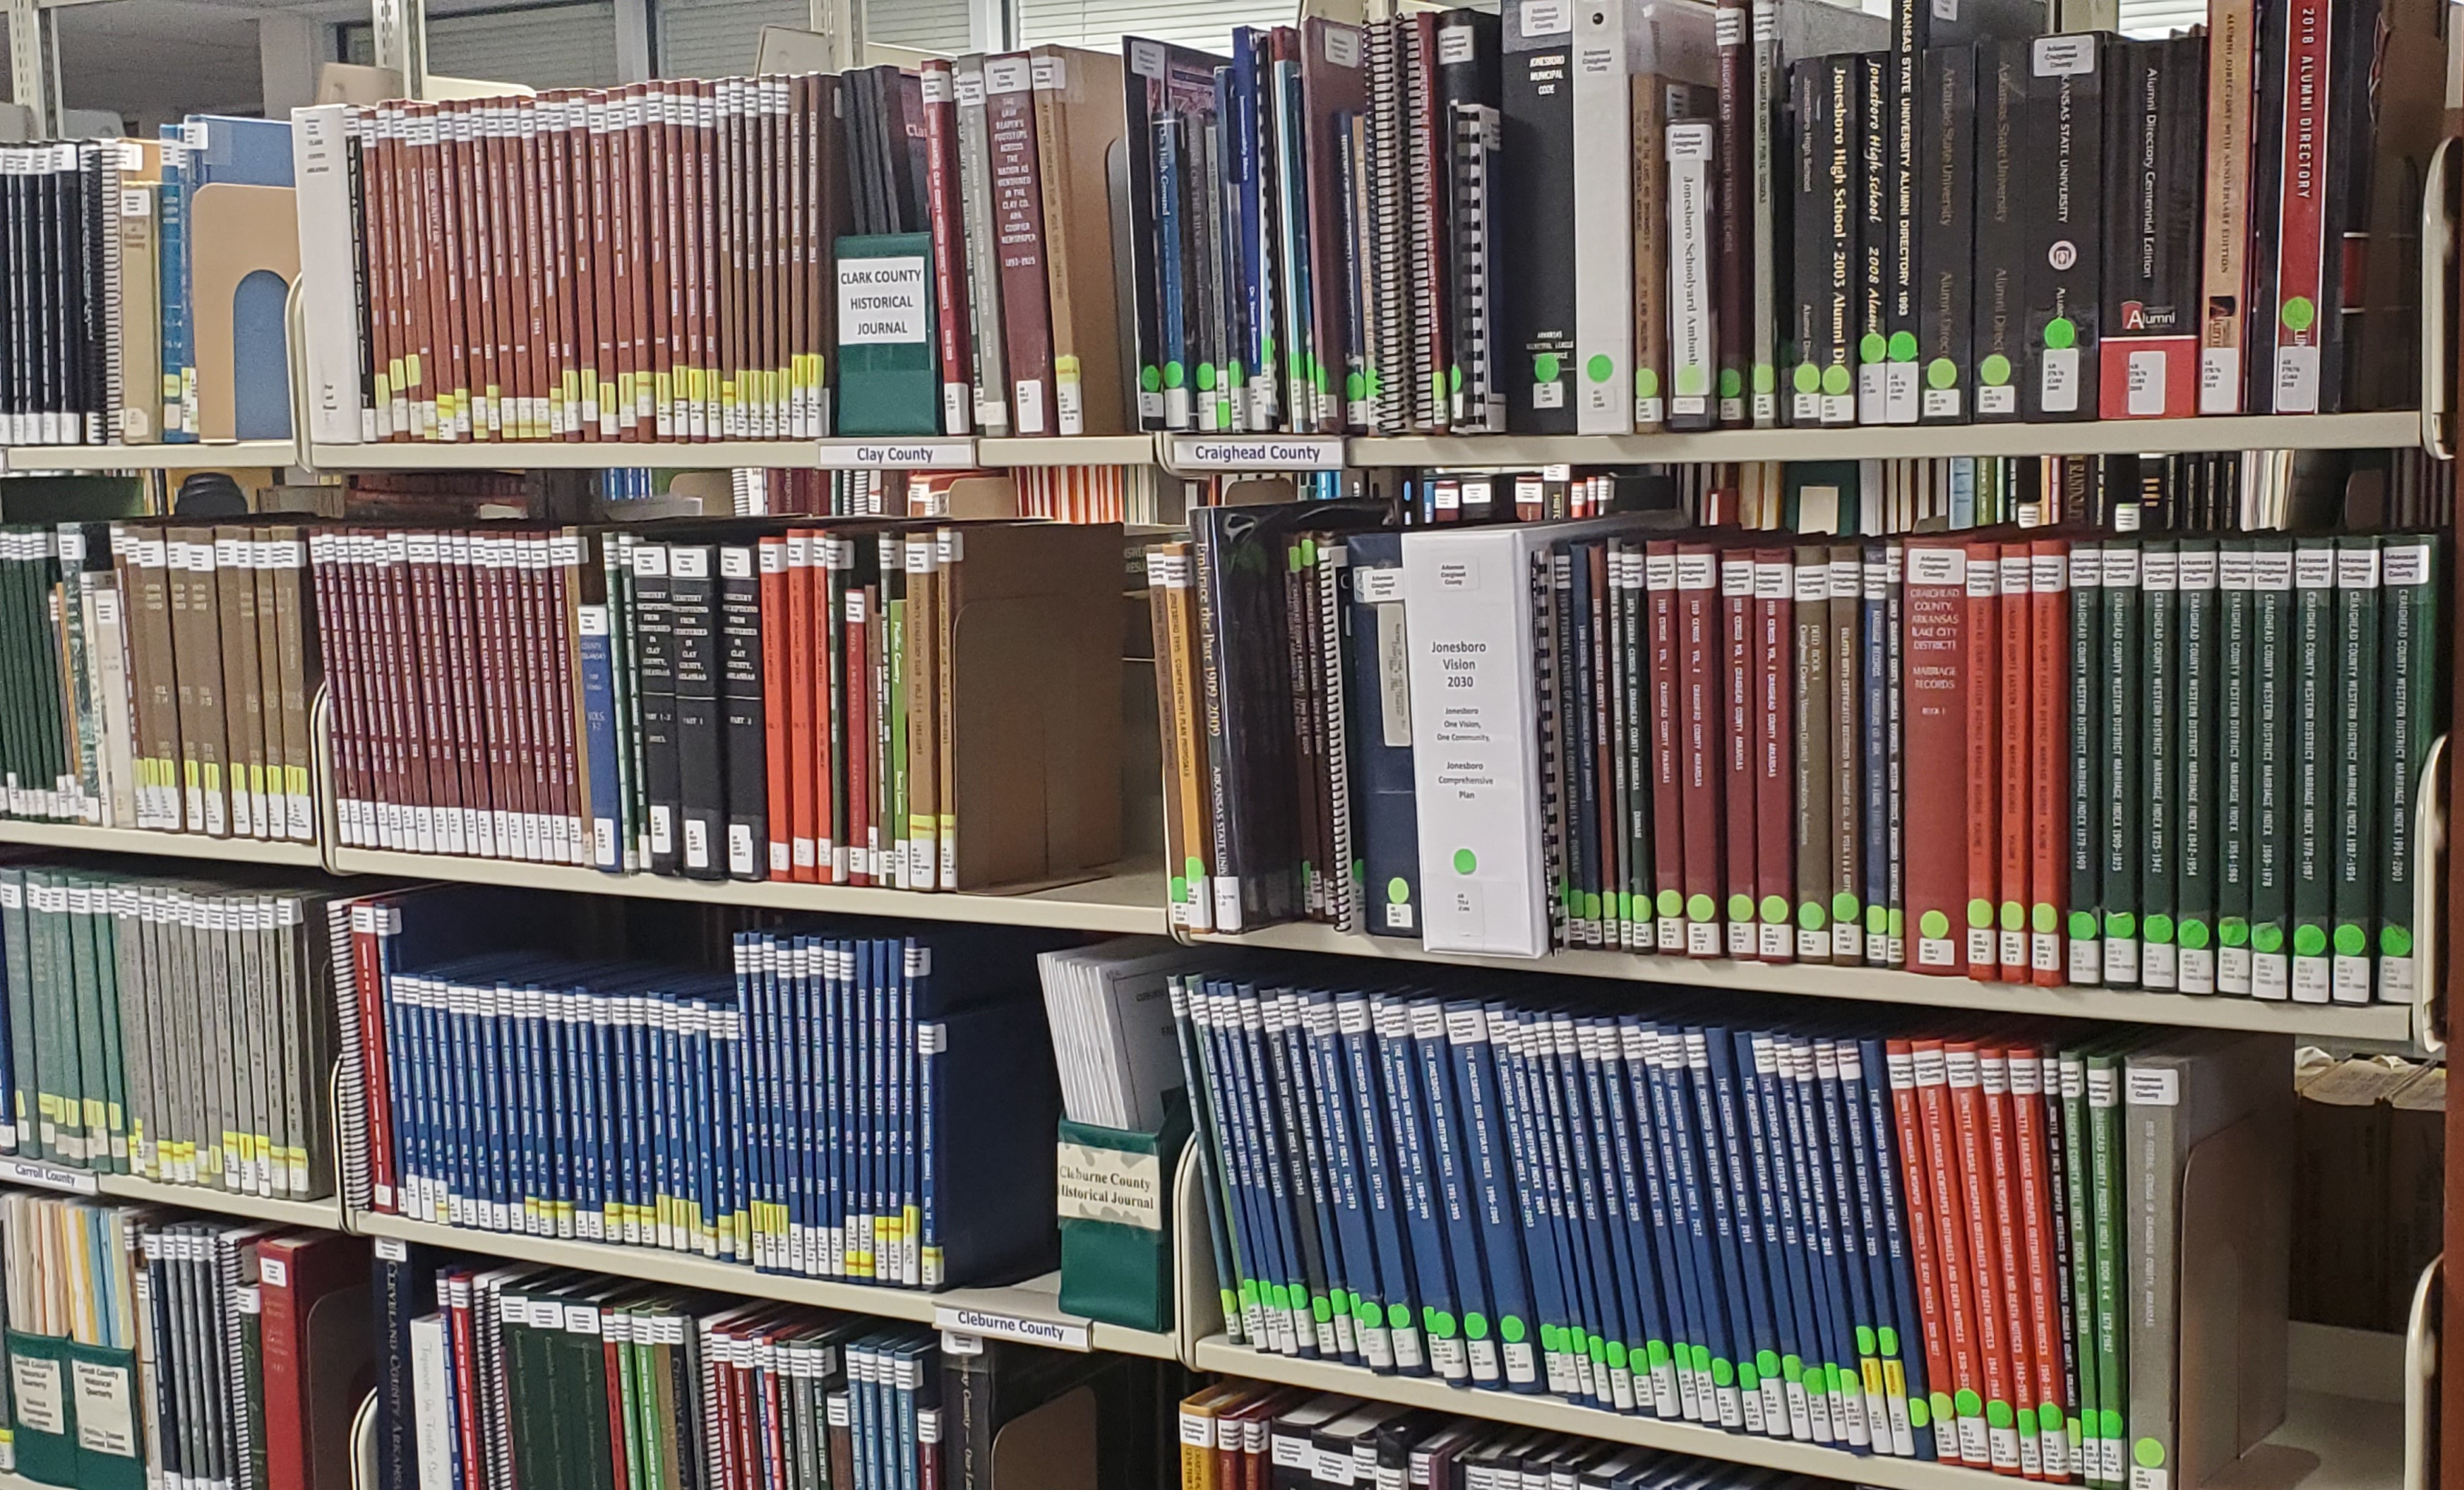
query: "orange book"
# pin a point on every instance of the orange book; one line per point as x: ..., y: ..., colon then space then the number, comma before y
x: 1982, y: 666
x: 777, y: 634
x: 2049, y: 723
x: 1923, y: 1213
x: 2041, y: 1253
x: 2012, y: 1297
x: 2017, y: 654
x: 802, y: 832
x: 1965, y: 1382
x: 1964, y: 1065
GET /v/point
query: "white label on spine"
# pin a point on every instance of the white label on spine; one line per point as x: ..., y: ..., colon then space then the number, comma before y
x: 1545, y: 18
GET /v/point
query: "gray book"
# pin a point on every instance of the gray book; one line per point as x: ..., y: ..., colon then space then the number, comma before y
x: 990, y: 364
x: 2208, y: 1129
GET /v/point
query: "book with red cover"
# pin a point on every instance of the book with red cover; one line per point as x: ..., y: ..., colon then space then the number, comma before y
x: 1845, y: 610
x: 1978, y: 1182
x: 951, y: 310
x: 1935, y: 665
x: 2016, y: 689
x: 1018, y: 215
x: 1739, y: 625
x: 778, y: 684
x: 1667, y: 796
x: 1812, y: 809
x: 1774, y: 764
x: 2049, y: 730
x: 1981, y: 635
x: 1700, y: 718
x: 318, y: 1353
x: 1953, y: 1251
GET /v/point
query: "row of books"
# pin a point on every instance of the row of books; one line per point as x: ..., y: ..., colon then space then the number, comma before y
x: 144, y: 1345
x: 2166, y: 763
x: 2215, y: 491
x: 165, y: 671
x: 1889, y: 1238
x: 180, y: 1030
x: 1063, y: 494
x: 823, y: 1101
x: 1821, y: 218
x: 882, y: 253
x: 824, y: 705
x: 1239, y: 1432
x: 122, y: 265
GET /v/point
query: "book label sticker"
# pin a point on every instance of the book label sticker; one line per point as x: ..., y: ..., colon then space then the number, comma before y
x: 1456, y: 45
x: 1109, y: 1185
x: 1343, y: 45
x: 38, y: 1393
x: 1545, y: 18
x: 1147, y: 60
x: 881, y: 301
x: 2143, y: 378
x: 1058, y: 1334
x: 2063, y: 57
x: 2061, y: 382
x: 2220, y: 380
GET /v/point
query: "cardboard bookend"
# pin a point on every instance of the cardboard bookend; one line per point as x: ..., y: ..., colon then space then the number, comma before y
x: 1051, y: 1448
x: 2235, y: 1246
x: 244, y: 251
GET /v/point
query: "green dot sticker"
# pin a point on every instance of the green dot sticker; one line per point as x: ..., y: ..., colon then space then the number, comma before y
x: 2013, y: 918
x: 1766, y: 377
x: 1454, y: 380
x: 1617, y: 1355
x: 1969, y: 1403
x: 2160, y: 928
x: 1174, y: 375
x: 1864, y: 1340
x: 2350, y: 942
x: 1941, y: 1404
x: 1699, y: 907
x: 1544, y: 367
x: 1872, y: 348
x: 1878, y: 920
x: 1206, y: 377
x: 1356, y: 386
x: 1809, y: 916
x: 1997, y: 1415
x: 1475, y: 1325
x: 1809, y: 378
x: 2147, y: 1453
x: 1994, y: 371
x: 1600, y: 368
x: 1980, y: 915
x: 1512, y: 1329
x: 1646, y: 383
x: 1843, y: 908
x: 1466, y: 861
x: 1732, y: 383
x: 2044, y: 920
x: 1724, y: 1374
x: 2267, y: 938
x: 2120, y: 925
x: 1767, y: 1362
x: 1670, y: 903
x: 2060, y: 334
x: 1441, y: 1324
x: 1774, y: 908
x: 1933, y: 926
x: 1888, y: 1339
x: 1180, y: 889
x: 1834, y: 380
x: 1398, y: 891
x: 1399, y: 1316
x: 1693, y: 382
x: 2192, y: 934
x: 2300, y: 314
x: 1552, y: 1338
x: 2233, y: 931
x: 1741, y: 908
x: 2395, y: 941
x: 1150, y: 378
x: 2026, y: 1422
x: 1940, y: 373
x: 1903, y: 346
x: 2309, y: 941
x: 1918, y: 1415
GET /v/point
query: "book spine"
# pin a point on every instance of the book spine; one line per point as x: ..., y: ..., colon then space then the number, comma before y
x: 2359, y: 828
x: 2273, y: 812
x: 2407, y: 720
x: 2065, y: 230
x: 2298, y: 291
x: 2122, y: 810
x: 1875, y: 245
x: 1936, y: 751
x: 1738, y: 762
x: 2016, y: 782
x: 2225, y: 266
x: 1982, y: 674
x: 1775, y: 880
x: 1693, y: 330
x: 1699, y: 720
x: 1811, y: 713
x: 1603, y: 89
x: 2194, y: 891
x: 1946, y: 210
x: 2159, y: 759
x: 2083, y: 957
x: 2315, y: 753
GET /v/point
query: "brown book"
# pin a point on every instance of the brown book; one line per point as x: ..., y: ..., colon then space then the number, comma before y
x: 1330, y: 85
x: 272, y: 809
x: 829, y: 218
x: 245, y: 732
x: 197, y: 649
x: 923, y: 634
x: 295, y: 659
x: 1018, y: 217
x: 1078, y: 120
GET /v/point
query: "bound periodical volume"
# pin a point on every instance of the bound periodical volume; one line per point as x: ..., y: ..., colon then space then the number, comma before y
x: 1882, y: 1237
x: 125, y: 272
x: 825, y: 1102
x: 882, y: 253
x: 829, y: 704
x: 2185, y: 764
x: 1667, y: 214
x: 167, y: 668
x: 174, y: 1029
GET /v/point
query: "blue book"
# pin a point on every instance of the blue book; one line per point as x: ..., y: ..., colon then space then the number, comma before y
x: 1687, y: 1295
x: 1360, y: 1299
x: 1304, y: 383
x: 1296, y: 1104
x: 1565, y: 1340
x: 1843, y: 1387
x: 1418, y: 1185
x: 172, y: 268
x: 1208, y: 1136
x: 1720, y: 1212
x: 1256, y: 285
x: 1430, y: 1068
x: 599, y: 739
x: 993, y: 1192
x: 1627, y: 1352
x: 1848, y: 1228
x: 1223, y: 1111
x: 1594, y: 1311
x: 1385, y: 809
x: 1904, y: 1343
x: 1759, y: 1368
x: 1381, y: 1179
x: 1774, y: 1220
x: 1655, y: 1373
x: 1300, y: 1199
x: 1285, y: 1285
x: 1490, y: 1175
x: 1170, y: 146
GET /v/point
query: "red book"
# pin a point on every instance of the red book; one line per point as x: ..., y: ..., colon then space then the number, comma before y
x: 2293, y: 303
x: 1922, y: 1214
x: 1738, y: 629
x: 1967, y: 1380
x: 1700, y: 650
x: 372, y: 921
x: 2009, y: 1201
x: 318, y: 1353
x: 1667, y: 798
x: 1935, y: 752
x: 1982, y: 633
x: 454, y: 1292
x: 1606, y: 722
x: 1775, y: 759
x: 803, y: 865
x: 2040, y: 1252
x: 2049, y: 722
x: 1018, y: 219
x: 1977, y: 1200
x: 777, y: 675
x: 859, y: 734
x: 950, y: 308
x: 2017, y: 696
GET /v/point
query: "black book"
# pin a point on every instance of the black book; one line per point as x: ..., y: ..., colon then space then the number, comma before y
x: 92, y: 384
x: 2065, y: 226
x: 1158, y: 78
x: 1872, y: 288
x: 983, y: 1392
x: 1834, y: 239
x: 2353, y: 105
x: 656, y: 686
x: 2155, y: 176
x: 692, y: 625
x: 1291, y: 1440
x: 1948, y: 209
x: 740, y: 714
x: 1537, y: 200
x: 2266, y: 183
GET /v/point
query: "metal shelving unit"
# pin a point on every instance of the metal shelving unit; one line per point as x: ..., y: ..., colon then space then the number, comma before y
x: 145, y: 841
x: 1033, y: 1303
x: 36, y: 1175
x: 199, y: 456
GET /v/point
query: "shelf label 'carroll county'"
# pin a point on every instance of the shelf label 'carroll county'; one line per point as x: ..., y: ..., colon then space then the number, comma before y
x: 1056, y: 1334
x: 47, y: 1176
x: 894, y: 454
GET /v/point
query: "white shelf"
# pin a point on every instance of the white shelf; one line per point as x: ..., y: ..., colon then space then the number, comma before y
x: 2388, y: 1022
x: 1077, y: 449
x: 144, y: 840
x: 1127, y: 900
x: 2103, y: 437
x: 2325, y: 1442
x: 568, y: 455
x: 199, y: 456
x: 1036, y: 1301
x: 327, y: 1213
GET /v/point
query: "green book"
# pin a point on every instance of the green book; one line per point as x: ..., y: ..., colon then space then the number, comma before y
x: 2235, y: 660
x: 2194, y: 854
x: 25, y: 1088
x: 2270, y: 768
x: 42, y: 1409
x: 895, y: 554
x: 2122, y: 838
x: 2086, y: 960
x: 2159, y: 757
x: 2076, y: 1240
x: 2107, y: 1209
x: 2313, y: 763
x: 890, y: 382
x: 2408, y: 722
x: 2358, y: 830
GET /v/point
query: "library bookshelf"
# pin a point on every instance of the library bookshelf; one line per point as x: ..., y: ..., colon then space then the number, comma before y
x: 196, y: 455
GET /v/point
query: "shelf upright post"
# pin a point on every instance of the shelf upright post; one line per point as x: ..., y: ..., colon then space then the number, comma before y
x: 398, y: 29
x: 34, y: 65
